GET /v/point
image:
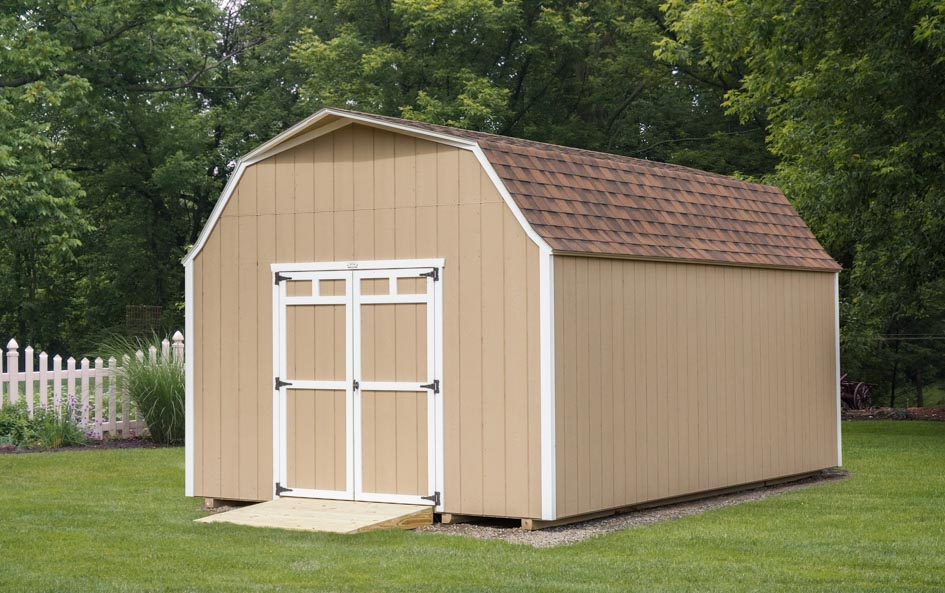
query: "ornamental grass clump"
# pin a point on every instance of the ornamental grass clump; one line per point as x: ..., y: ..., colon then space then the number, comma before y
x: 155, y: 387
x: 57, y: 426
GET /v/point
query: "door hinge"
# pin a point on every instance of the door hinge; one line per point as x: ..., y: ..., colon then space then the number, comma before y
x: 434, y: 273
x: 280, y: 384
x: 355, y: 385
x: 280, y: 489
x: 435, y: 386
x: 435, y: 498
x: 279, y: 277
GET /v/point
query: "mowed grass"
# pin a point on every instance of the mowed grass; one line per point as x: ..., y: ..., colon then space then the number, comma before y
x: 116, y: 520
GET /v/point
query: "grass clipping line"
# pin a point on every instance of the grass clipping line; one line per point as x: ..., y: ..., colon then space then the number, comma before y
x: 577, y: 532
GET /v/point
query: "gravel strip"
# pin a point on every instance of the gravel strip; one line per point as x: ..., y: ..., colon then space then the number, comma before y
x: 576, y: 532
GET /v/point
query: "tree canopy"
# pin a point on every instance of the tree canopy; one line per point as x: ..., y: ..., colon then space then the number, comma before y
x: 121, y: 120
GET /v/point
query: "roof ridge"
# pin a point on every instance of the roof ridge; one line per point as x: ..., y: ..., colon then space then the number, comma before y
x: 597, y: 203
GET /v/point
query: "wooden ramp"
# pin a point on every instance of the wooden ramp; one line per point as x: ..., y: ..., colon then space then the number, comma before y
x: 335, y: 516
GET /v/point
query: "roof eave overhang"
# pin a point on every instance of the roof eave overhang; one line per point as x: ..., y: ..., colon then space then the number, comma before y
x: 836, y: 269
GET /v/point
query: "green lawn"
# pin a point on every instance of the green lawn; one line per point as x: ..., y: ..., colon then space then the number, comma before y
x: 117, y: 521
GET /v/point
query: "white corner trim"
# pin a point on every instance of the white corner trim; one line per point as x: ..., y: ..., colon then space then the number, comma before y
x: 438, y: 369
x: 549, y: 508
x: 836, y: 329
x: 189, y: 379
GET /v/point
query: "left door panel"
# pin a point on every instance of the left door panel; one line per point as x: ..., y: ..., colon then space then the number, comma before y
x: 314, y: 394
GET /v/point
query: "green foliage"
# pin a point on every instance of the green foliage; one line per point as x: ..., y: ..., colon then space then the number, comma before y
x: 581, y: 74
x: 103, y: 147
x: 155, y: 387
x: 56, y: 429
x: 852, y: 96
x: 48, y: 428
x: 16, y: 428
x: 120, y: 120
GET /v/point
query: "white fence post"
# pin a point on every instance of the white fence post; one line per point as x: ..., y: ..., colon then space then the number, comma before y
x: 13, y: 367
x: 83, y: 401
x: 178, y: 346
x: 125, y: 408
x: 43, y: 380
x: 70, y: 383
x: 100, y: 375
x: 57, y: 381
x: 28, y: 376
x: 113, y: 380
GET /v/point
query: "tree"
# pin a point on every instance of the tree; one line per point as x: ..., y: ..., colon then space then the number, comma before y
x: 121, y: 120
x: 853, y: 94
x: 98, y: 138
x: 580, y: 74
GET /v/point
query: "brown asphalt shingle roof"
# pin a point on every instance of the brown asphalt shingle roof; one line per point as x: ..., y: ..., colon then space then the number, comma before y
x: 581, y: 201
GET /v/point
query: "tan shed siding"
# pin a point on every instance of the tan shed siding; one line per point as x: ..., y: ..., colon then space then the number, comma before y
x: 362, y: 193
x: 674, y: 378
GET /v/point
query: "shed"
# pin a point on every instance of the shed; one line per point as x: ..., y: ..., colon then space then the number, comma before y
x: 393, y: 311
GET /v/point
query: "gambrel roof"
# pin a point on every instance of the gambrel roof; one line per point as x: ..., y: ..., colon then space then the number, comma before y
x: 584, y: 202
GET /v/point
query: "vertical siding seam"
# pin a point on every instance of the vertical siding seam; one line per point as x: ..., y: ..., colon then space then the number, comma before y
x: 482, y: 465
x: 219, y: 356
x: 239, y: 469
x: 459, y: 367
x: 528, y: 408
x: 200, y: 407
x: 626, y: 383
x: 505, y: 353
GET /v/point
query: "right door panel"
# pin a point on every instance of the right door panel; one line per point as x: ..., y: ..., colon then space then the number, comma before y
x: 395, y: 404
x: 394, y: 442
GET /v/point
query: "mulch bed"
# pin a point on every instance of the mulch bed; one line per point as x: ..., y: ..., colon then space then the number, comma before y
x: 576, y: 532
x: 106, y: 444
x: 928, y: 413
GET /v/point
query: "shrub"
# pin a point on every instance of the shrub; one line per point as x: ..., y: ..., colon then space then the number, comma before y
x: 16, y: 428
x: 156, y: 388
x: 49, y: 428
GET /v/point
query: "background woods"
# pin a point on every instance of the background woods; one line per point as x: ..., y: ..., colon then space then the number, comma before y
x: 120, y: 121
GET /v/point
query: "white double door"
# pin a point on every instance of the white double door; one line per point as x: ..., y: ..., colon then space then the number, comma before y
x: 357, y: 386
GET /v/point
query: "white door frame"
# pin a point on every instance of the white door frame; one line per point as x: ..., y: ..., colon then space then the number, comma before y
x: 352, y: 271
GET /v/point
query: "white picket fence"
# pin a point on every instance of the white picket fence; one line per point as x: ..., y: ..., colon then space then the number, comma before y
x: 93, y: 389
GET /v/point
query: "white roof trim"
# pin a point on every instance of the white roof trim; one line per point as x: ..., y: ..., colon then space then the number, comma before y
x: 292, y: 137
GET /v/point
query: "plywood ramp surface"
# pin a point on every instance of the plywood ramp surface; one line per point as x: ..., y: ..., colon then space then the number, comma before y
x: 334, y: 516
